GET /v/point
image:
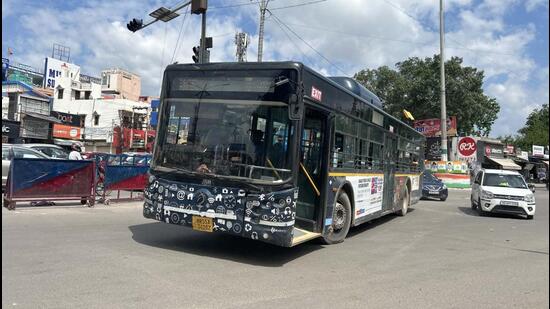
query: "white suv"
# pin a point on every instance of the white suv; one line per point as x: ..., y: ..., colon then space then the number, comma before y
x: 500, y: 191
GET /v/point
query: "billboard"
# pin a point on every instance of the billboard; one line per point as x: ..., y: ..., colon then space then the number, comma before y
x: 432, y: 127
x: 538, y: 151
x: 54, y: 69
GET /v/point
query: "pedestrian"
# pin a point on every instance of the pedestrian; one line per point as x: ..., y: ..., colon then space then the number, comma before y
x: 75, y: 155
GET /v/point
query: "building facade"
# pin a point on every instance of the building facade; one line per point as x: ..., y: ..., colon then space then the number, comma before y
x: 121, y: 84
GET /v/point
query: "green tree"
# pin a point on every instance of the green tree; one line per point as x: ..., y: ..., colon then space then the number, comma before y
x: 414, y: 86
x: 535, y: 131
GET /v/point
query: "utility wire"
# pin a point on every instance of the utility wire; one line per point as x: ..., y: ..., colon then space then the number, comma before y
x: 309, y: 45
x: 293, y: 42
x: 298, y: 5
x: 179, y: 35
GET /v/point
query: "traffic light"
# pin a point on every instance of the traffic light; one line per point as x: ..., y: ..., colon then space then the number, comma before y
x: 196, y: 52
x: 198, y: 6
x: 135, y: 24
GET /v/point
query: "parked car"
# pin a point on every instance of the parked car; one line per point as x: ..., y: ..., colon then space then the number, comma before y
x: 433, y: 187
x: 500, y: 191
x: 50, y: 150
x: 16, y: 151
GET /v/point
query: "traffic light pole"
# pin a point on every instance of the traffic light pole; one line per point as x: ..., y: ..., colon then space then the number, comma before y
x: 203, y: 39
x: 443, y: 126
x: 154, y: 20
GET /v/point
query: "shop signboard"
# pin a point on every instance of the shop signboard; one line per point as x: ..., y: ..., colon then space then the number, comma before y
x: 433, y: 149
x: 64, y: 131
x: 467, y: 147
x: 68, y: 119
x: 10, y: 128
x: 432, y: 127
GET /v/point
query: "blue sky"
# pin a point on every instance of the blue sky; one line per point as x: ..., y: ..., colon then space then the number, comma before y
x: 508, y: 39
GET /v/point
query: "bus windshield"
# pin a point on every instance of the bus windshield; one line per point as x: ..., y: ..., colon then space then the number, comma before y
x: 227, y: 126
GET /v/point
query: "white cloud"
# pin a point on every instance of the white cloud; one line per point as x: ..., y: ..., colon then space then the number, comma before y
x: 353, y: 36
x: 531, y: 5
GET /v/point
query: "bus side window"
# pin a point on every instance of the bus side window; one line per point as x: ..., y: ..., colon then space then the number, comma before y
x: 338, y: 150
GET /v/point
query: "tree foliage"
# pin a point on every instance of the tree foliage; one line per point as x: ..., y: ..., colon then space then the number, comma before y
x: 535, y: 131
x: 415, y: 86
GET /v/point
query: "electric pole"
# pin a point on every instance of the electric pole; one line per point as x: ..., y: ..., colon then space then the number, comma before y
x: 263, y: 8
x: 242, y: 41
x: 444, y: 151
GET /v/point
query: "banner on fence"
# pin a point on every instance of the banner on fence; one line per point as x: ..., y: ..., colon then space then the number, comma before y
x: 50, y: 179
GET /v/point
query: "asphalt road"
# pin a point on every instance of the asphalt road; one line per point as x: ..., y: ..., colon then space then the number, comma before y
x: 441, y: 255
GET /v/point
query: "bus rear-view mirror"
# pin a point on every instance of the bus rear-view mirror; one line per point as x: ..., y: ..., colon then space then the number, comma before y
x: 294, y: 109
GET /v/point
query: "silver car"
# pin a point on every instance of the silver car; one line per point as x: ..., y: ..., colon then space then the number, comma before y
x: 50, y: 150
x: 16, y: 151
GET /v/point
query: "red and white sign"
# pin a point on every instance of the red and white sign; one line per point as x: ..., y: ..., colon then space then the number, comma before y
x: 467, y: 147
x: 63, y: 131
x: 316, y: 94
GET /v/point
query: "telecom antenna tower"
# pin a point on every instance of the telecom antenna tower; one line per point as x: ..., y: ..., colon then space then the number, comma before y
x: 241, y: 40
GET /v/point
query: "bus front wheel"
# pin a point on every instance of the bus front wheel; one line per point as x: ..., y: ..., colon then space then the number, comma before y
x: 341, y: 220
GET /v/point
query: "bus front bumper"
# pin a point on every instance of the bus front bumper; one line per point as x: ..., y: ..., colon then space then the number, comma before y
x: 267, y: 217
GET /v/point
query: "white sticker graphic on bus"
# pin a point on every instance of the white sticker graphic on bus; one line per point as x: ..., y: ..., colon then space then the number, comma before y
x: 368, y: 192
x: 415, y: 183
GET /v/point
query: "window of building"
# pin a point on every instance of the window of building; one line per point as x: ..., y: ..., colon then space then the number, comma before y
x: 60, y: 93
x: 77, y: 95
x: 87, y: 95
x: 96, y: 119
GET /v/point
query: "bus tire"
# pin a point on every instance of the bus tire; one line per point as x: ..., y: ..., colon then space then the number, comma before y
x: 341, y: 220
x: 405, y: 201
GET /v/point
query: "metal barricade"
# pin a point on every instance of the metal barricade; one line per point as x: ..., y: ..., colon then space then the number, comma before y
x: 49, y: 179
x: 122, y: 173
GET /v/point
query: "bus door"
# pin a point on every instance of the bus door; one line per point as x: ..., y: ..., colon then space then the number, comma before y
x: 390, y: 161
x: 311, y: 168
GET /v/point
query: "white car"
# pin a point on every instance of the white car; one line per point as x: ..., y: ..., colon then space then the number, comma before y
x: 500, y: 191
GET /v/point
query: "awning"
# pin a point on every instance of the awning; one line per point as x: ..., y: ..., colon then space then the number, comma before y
x: 67, y: 142
x: 43, y: 117
x: 505, y: 163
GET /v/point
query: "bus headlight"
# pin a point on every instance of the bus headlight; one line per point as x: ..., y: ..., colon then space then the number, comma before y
x: 530, y: 198
x: 486, y: 195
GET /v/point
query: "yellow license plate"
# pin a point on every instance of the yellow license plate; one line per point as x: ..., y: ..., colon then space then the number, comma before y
x: 202, y: 224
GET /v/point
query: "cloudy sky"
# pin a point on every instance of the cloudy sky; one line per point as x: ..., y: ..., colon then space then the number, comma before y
x: 508, y: 39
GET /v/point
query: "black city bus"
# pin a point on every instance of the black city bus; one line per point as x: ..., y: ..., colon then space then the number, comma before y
x: 276, y: 152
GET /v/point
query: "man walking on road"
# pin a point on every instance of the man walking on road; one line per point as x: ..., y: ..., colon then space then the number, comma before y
x: 75, y: 153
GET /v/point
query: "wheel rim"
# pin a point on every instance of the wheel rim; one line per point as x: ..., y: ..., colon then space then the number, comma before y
x: 339, y: 217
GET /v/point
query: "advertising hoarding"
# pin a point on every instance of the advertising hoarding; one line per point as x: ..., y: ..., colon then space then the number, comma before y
x: 538, y: 151
x: 432, y: 127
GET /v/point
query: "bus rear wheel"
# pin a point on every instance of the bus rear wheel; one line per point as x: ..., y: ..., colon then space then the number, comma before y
x: 404, y: 203
x: 341, y: 220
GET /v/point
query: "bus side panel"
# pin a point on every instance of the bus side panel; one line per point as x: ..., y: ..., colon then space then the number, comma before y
x: 416, y: 188
x: 400, y: 185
